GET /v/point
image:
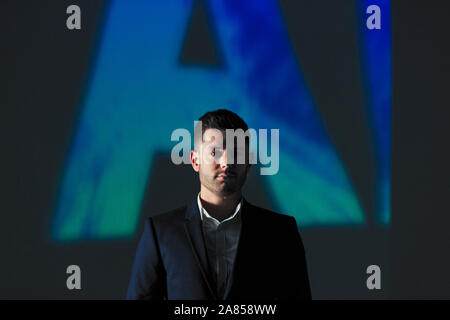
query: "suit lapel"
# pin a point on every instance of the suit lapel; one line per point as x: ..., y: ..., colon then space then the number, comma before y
x: 193, y: 228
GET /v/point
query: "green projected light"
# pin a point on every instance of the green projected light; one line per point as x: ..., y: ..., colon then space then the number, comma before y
x: 140, y: 91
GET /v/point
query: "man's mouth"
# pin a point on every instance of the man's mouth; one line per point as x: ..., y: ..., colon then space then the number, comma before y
x: 225, y: 175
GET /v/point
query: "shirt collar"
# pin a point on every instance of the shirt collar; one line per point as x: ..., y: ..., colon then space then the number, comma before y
x: 204, y: 213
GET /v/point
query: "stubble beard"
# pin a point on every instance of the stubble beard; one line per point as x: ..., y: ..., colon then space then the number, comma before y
x: 222, y: 188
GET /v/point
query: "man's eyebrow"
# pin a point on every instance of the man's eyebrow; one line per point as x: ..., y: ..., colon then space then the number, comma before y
x: 211, y: 146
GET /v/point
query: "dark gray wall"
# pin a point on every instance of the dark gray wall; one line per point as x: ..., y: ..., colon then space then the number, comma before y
x: 44, y: 70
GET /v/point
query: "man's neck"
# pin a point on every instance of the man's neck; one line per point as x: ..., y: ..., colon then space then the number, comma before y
x: 219, y: 207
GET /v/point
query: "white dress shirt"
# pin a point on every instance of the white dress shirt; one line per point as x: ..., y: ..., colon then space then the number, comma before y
x: 221, y: 240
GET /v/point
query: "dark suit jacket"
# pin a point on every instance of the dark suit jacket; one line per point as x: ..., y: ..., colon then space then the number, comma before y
x: 171, y: 260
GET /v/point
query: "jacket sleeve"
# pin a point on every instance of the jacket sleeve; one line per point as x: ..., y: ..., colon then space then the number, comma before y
x: 299, y: 287
x: 148, y: 278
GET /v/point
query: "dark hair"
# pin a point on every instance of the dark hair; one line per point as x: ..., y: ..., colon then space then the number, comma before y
x: 222, y: 119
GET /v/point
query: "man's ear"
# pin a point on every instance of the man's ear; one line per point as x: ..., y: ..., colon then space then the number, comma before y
x: 195, y: 160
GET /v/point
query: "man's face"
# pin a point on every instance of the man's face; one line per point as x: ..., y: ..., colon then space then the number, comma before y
x: 212, y: 161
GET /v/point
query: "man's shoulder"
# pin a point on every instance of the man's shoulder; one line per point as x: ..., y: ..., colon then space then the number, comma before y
x: 269, y: 216
x: 169, y: 216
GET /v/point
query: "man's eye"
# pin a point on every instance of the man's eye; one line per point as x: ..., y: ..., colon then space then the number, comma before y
x: 216, y: 153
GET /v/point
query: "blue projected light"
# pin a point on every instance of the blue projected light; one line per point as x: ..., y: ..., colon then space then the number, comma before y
x: 138, y: 84
x: 376, y: 66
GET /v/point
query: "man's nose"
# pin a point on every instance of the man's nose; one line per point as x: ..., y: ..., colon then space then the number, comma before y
x: 224, y: 161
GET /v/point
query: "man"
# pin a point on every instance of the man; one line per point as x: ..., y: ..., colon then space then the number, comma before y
x: 220, y: 246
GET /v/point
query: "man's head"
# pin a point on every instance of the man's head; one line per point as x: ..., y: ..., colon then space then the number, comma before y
x: 219, y: 169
